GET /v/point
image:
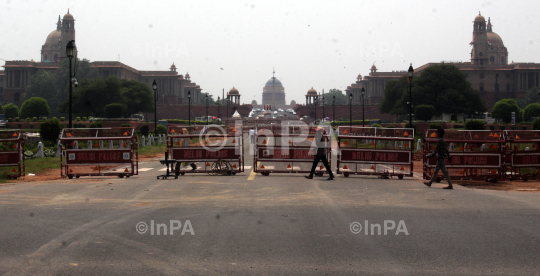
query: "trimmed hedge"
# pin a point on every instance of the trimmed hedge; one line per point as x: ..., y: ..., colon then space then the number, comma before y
x: 475, y: 125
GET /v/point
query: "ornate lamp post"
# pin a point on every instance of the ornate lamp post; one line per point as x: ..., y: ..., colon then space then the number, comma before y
x: 350, y: 112
x: 410, y: 73
x: 154, y: 86
x: 323, y: 105
x: 206, y: 108
x: 70, y: 53
x: 189, y: 107
x: 315, y: 106
x: 363, y: 93
x: 218, y: 104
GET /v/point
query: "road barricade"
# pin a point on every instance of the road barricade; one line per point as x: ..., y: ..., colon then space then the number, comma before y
x: 522, y: 154
x: 99, y: 152
x: 476, y: 155
x: 289, y: 150
x: 12, y: 152
x: 375, y: 151
x: 212, y: 149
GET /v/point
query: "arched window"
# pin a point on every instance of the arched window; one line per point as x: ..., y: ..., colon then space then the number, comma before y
x: 481, y: 86
x: 492, y: 60
x: 46, y: 57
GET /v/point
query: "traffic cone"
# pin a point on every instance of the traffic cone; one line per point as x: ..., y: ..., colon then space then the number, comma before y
x: 372, y: 167
x: 264, y: 141
x: 207, y: 164
x: 496, y: 135
x: 15, y: 145
x: 14, y: 170
x: 517, y: 137
x: 461, y: 172
x: 126, y: 170
x: 234, y: 166
x: 345, y: 167
x: 345, y: 132
x: 433, y: 135
x: 96, y: 145
x: 289, y: 166
x: 262, y: 166
x: 491, y: 134
x: 321, y: 167
x: 402, y: 169
x: 95, y: 168
x: 406, y: 133
x: 172, y: 131
x: 125, y: 145
x: 234, y: 141
x: 126, y: 133
x: 476, y: 136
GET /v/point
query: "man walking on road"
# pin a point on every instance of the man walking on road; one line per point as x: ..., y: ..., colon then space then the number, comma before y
x: 442, y: 153
x: 252, y: 135
x: 320, y: 141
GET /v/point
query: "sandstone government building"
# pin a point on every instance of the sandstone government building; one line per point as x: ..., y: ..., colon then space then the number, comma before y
x: 489, y: 70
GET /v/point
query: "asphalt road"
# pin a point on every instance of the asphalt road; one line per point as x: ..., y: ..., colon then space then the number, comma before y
x: 275, y: 225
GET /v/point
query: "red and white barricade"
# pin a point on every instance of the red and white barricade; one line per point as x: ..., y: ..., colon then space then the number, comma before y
x: 476, y: 154
x: 375, y: 151
x: 199, y: 149
x: 290, y: 150
x: 99, y: 152
x: 12, y: 152
x: 522, y: 154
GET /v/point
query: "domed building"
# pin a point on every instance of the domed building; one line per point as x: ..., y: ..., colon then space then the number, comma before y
x: 54, y: 48
x: 274, y: 94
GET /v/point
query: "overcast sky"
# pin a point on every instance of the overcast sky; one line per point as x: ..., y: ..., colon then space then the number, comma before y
x: 324, y: 44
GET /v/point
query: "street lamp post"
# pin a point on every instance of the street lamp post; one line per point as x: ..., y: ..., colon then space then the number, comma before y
x: 334, y: 110
x: 206, y: 108
x: 70, y: 53
x: 218, y: 104
x: 189, y: 107
x: 350, y: 112
x: 154, y: 86
x: 323, y: 106
x: 227, y: 115
x: 363, y: 93
x: 411, y: 73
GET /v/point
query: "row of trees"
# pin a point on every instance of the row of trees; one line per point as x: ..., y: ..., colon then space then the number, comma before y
x: 503, y: 110
x: 92, y: 95
x: 33, y: 107
x: 444, y: 87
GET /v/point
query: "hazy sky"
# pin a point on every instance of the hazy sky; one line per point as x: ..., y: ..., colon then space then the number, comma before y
x: 324, y: 44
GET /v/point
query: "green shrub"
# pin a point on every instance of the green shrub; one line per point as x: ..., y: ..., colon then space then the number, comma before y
x: 10, y: 119
x: 84, y: 119
x: 492, y: 127
x: 536, y: 124
x: 424, y: 112
x: 78, y: 119
x: 28, y: 120
x: 161, y: 129
x: 34, y: 107
x: 376, y: 125
x: 34, y: 119
x: 114, y: 110
x: 125, y: 125
x: 17, y: 119
x: 31, y: 125
x: 144, y: 129
x: 96, y: 124
x: 11, y: 110
x: 50, y: 129
x: 435, y: 126
x: 458, y: 126
x: 45, y: 118
x: 62, y: 119
x: 475, y: 125
x: 532, y: 110
x: 503, y: 110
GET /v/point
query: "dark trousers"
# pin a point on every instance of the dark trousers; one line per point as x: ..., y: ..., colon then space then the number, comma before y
x: 440, y: 166
x: 325, y: 163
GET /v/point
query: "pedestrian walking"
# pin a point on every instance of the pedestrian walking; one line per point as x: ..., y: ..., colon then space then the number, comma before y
x: 321, y: 143
x: 252, y: 135
x: 442, y: 153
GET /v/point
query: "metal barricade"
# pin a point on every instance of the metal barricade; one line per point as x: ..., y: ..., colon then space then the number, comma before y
x: 522, y: 154
x: 476, y: 154
x: 85, y: 152
x: 289, y: 150
x: 375, y: 151
x: 208, y: 149
x: 12, y: 152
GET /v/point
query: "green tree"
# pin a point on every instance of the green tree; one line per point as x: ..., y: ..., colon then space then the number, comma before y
x: 11, y: 110
x: 92, y: 96
x: 341, y: 99
x: 475, y: 125
x: 144, y: 129
x: 536, y: 124
x: 442, y: 86
x: 393, y: 92
x: 137, y: 97
x: 424, y: 112
x: 532, y: 110
x: 50, y: 129
x: 34, y: 107
x: 531, y: 97
x: 503, y: 110
x: 114, y: 110
x: 54, y: 86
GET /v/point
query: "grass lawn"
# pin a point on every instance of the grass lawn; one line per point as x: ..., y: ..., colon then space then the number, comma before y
x: 36, y: 165
x: 153, y: 150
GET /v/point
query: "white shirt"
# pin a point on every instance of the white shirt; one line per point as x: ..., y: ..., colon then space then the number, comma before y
x: 251, y: 132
